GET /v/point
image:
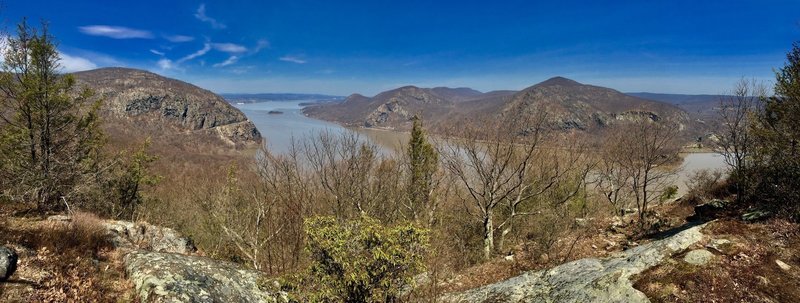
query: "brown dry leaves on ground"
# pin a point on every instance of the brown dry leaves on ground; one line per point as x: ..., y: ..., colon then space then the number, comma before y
x: 743, y: 271
x: 63, y: 262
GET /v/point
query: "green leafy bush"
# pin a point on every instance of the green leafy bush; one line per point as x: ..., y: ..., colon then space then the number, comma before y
x: 361, y: 260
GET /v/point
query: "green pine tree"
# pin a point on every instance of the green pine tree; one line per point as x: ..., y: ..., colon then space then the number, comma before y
x: 50, y: 136
x: 422, y: 164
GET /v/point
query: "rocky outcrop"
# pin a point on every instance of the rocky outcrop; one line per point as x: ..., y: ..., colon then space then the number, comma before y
x: 167, y: 277
x: 8, y: 263
x: 585, y: 280
x: 144, y: 236
x: 150, y: 98
x: 164, y: 267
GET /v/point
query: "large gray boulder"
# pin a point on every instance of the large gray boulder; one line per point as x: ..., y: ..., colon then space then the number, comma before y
x: 141, y: 235
x: 8, y: 263
x: 167, y: 277
x: 585, y: 280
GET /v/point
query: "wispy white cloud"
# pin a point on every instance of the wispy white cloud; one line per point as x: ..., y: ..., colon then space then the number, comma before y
x: 116, y: 32
x: 157, y: 52
x: 70, y: 64
x: 166, y: 64
x: 229, y: 61
x: 262, y: 44
x: 178, y: 38
x: 206, y: 48
x: 293, y: 59
x: 229, y: 48
x: 201, y: 15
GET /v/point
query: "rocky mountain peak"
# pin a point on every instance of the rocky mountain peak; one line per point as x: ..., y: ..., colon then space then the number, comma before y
x: 164, y: 103
x: 559, y: 81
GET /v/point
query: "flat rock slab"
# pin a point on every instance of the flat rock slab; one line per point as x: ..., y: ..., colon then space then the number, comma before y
x: 698, y: 257
x: 168, y: 277
x: 585, y: 280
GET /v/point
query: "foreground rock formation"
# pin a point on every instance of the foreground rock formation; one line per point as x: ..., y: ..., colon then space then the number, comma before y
x: 169, y: 277
x: 8, y: 263
x: 585, y: 280
x: 164, y: 267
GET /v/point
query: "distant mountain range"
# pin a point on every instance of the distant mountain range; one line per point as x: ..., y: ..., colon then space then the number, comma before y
x: 698, y: 106
x: 569, y: 104
x: 254, y: 98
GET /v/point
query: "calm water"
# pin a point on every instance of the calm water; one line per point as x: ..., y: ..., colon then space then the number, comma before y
x: 278, y: 130
x: 695, y: 162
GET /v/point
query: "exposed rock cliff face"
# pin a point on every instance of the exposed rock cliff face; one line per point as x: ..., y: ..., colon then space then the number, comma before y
x: 150, y: 98
x: 585, y: 280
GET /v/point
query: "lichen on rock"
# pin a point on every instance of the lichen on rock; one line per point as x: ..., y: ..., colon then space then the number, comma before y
x: 585, y: 280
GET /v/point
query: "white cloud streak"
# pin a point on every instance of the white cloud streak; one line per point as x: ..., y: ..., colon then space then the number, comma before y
x: 229, y: 48
x: 293, y: 59
x: 229, y: 61
x: 115, y: 32
x: 178, y: 38
x: 157, y: 52
x: 71, y: 64
x: 206, y: 48
x: 201, y: 15
x: 262, y: 44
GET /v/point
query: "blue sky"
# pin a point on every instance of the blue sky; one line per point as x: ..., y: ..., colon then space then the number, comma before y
x: 371, y: 46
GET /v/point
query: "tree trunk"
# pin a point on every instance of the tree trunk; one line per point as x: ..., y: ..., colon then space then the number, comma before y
x: 488, y: 235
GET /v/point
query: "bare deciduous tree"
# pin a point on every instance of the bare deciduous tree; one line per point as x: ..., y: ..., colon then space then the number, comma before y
x: 735, y: 141
x: 643, y: 151
x: 492, y: 171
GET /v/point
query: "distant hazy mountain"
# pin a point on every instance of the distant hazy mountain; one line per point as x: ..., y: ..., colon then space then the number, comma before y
x: 698, y: 106
x: 141, y: 103
x: 253, y: 98
x: 569, y: 104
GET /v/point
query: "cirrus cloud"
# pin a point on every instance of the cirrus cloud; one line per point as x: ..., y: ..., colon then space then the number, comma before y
x: 293, y: 59
x: 206, y: 48
x: 115, y: 32
x: 178, y: 38
x: 229, y: 48
x: 201, y: 15
x: 229, y: 61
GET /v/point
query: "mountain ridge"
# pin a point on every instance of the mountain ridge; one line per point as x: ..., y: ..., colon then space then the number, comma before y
x: 572, y: 105
x: 156, y: 103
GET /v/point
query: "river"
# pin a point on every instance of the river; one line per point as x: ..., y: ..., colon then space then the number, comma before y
x: 279, y: 129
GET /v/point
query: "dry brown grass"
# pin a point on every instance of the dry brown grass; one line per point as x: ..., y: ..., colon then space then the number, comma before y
x: 63, y: 262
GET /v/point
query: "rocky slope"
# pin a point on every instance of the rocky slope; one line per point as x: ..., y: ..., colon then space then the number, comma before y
x: 390, y: 109
x: 585, y: 280
x: 568, y: 104
x: 164, y: 267
x: 572, y: 105
x: 161, y: 103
